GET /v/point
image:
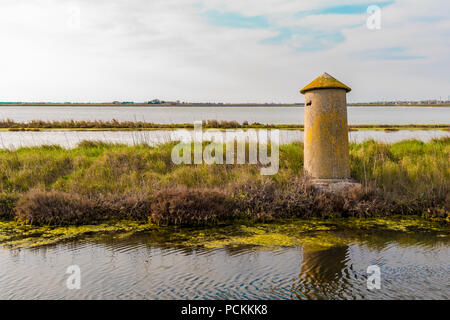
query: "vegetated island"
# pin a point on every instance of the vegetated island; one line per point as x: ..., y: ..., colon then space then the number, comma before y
x: 50, y: 194
x: 38, y: 125
x: 434, y: 103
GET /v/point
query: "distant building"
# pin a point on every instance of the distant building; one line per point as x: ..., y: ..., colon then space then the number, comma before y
x: 156, y: 101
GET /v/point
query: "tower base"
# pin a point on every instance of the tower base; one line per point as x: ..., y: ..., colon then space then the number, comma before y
x: 334, y: 185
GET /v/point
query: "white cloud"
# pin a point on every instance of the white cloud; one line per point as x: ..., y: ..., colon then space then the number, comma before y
x: 138, y: 50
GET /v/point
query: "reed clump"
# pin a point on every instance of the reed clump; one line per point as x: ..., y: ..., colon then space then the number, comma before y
x: 98, y: 181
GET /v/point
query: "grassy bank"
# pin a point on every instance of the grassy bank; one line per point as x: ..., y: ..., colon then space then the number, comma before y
x: 97, y: 182
x: 37, y: 125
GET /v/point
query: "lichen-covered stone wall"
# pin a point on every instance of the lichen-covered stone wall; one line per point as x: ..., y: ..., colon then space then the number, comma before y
x: 326, y: 134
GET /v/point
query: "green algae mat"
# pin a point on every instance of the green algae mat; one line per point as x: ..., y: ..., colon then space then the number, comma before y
x: 314, y: 234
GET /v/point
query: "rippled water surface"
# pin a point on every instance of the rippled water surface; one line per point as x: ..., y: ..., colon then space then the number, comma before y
x: 273, y: 115
x: 413, y: 266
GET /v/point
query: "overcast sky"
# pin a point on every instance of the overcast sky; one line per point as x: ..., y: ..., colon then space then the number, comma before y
x: 220, y: 50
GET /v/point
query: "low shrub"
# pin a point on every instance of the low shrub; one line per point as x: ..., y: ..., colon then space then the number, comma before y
x: 7, y: 204
x: 190, y: 206
x: 58, y: 208
x: 62, y: 208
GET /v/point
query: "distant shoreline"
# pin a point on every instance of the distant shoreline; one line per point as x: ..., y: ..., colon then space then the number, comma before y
x: 207, y: 105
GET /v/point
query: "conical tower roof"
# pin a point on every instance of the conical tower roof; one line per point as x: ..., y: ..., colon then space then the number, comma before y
x: 325, y: 81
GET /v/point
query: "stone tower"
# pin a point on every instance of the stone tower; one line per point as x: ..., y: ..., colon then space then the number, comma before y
x: 326, y: 155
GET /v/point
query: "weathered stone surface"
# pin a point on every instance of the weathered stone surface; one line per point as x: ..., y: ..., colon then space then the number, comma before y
x: 326, y: 152
x: 325, y: 81
x: 335, y: 185
x: 326, y: 134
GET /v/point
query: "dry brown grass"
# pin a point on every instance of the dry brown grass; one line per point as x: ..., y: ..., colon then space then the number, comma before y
x: 191, y: 206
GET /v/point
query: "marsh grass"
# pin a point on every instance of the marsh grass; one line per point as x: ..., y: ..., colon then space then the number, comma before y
x: 99, y: 181
x: 38, y: 125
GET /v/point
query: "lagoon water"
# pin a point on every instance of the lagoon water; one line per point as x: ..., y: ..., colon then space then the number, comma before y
x: 413, y: 266
x: 165, y: 115
x: 272, y: 115
x: 69, y: 139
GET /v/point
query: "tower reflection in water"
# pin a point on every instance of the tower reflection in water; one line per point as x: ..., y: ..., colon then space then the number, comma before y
x: 324, y: 274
